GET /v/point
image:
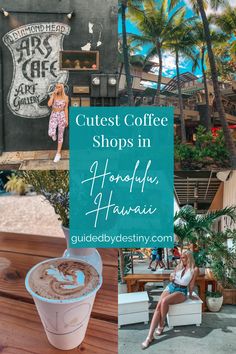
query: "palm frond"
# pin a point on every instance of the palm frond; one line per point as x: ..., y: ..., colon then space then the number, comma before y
x: 210, y: 217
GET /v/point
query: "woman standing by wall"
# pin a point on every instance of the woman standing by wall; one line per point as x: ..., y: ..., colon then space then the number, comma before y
x: 59, y: 117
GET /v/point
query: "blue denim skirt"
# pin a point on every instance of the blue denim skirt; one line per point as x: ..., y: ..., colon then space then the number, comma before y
x: 172, y: 288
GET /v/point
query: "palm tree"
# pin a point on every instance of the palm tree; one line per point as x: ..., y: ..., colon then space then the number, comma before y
x: 181, y: 42
x: 218, y: 99
x: 124, y: 4
x: 217, y: 38
x: 225, y: 61
x: 155, y: 21
x: 194, y: 228
x: 199, y: 6
x: 134, y: 55
x: 227, y: 22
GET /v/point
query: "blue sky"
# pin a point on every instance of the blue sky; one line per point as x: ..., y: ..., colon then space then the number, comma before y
x: 168, y: 59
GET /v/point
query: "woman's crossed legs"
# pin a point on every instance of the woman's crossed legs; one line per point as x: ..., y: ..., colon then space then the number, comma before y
x: 166, y: 299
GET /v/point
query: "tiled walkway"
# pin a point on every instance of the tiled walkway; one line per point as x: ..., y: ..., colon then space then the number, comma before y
x: 34, y: 160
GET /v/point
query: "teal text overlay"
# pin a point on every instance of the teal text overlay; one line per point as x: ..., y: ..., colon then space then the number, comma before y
x: 121, y: 176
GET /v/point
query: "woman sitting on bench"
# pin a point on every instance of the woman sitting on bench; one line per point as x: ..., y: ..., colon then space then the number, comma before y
x: 176, y: 292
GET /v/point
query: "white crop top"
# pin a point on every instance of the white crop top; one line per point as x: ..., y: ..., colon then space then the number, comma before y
x: 186, y: 278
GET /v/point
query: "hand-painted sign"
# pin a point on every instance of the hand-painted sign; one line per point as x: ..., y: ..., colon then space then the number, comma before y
x: 35, y: 52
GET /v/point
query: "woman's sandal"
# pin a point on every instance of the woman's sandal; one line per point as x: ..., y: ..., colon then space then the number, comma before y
x: 147, y: 342
x: 159, y: 331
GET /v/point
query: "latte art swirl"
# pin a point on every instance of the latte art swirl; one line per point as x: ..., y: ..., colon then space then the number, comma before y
x: 64, y: 279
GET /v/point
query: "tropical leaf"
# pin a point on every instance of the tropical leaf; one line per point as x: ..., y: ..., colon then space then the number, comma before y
x: 190, y: 227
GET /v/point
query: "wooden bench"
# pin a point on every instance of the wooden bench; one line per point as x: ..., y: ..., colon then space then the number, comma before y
x: 188, y: 312
x: 133, y: 308
x: 136, y: 282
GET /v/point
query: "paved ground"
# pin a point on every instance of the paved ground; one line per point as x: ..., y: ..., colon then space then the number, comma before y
x: 33, y: 160
x: 216, y: 335
x: 28, y: 214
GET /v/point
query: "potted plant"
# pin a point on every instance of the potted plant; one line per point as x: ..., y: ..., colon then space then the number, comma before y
x: 214, y: 300
x: 54, y: 186
x: 201, y: 260
x: 16, y: 185
x: 191, y: 228
x: 223, y: 259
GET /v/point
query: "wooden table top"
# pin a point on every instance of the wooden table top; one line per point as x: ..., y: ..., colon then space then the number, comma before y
x: 21, y: 330
x: 154, y: 276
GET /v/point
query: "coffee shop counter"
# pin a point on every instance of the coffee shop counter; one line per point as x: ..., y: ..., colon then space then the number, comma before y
x: 21, y: 330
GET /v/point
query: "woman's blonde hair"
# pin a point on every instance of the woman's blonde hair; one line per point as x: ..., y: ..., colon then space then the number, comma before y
x: 62, y: 89
x: 190, y: 260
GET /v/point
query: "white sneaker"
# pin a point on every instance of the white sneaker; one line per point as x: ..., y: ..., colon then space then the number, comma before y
x: 57, y: 158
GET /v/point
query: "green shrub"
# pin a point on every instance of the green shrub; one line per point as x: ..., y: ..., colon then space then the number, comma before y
x: 223, y: 258
x: 54, y: 186
x: 201, y: 258
x: 208, y: 151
